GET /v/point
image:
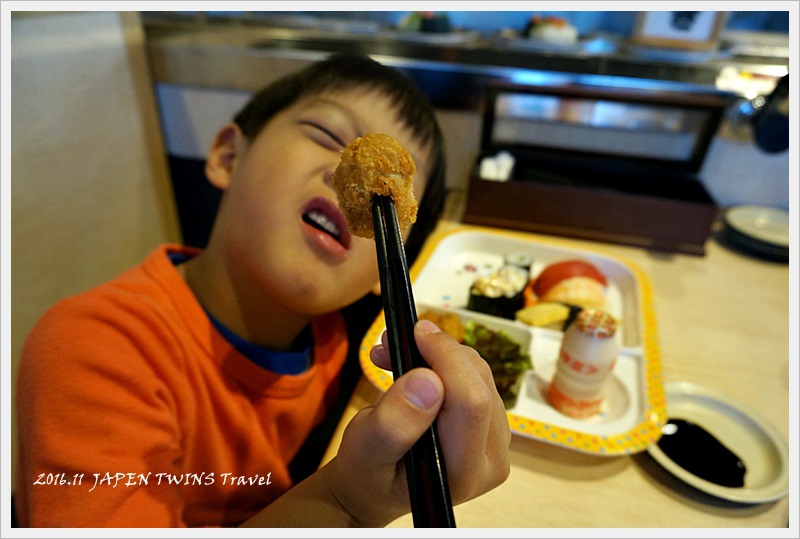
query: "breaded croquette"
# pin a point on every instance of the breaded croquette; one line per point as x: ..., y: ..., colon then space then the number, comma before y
x: 374, y: 164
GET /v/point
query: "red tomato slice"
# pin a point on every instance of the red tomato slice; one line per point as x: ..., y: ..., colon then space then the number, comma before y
x: 557, y: 272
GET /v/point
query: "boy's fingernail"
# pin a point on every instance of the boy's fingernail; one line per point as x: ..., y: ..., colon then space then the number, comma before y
x: 378, y: 353
x: 421, y: 390
x: 427, y: 327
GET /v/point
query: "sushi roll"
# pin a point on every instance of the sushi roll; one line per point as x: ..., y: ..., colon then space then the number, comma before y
x: 500, y: 293
x: 520, y: 259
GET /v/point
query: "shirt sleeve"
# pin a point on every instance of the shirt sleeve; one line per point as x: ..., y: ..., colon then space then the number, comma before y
x: 94, y: 419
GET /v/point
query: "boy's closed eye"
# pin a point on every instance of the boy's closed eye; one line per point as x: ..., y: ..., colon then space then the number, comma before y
x: 322, y: 135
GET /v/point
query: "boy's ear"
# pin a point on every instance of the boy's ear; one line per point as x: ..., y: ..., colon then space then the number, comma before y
x: 222, y: 155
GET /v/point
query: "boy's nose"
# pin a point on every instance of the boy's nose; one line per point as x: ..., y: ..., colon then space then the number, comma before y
x: 327, y: 176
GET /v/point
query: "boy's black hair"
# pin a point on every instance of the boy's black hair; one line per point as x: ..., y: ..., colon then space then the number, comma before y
x: 345, y: 71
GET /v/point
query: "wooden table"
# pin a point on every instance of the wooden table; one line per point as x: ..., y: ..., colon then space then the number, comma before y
x: 723, y: 322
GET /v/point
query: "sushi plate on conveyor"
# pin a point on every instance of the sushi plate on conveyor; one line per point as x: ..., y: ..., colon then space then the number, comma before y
x: 634, y: 409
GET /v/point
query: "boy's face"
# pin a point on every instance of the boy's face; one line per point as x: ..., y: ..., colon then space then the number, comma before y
x: 279, y: 201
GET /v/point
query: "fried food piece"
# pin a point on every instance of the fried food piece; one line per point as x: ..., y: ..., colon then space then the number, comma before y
x: 374, y: 164
x: 447, y: 322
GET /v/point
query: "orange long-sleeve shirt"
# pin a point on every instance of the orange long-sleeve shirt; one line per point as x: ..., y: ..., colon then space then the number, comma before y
x: 134, y: 411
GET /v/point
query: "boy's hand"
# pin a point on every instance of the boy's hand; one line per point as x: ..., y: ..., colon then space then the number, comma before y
x: 472, y: 426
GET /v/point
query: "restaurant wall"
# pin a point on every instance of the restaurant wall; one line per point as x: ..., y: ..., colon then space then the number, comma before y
x: 90, y: 190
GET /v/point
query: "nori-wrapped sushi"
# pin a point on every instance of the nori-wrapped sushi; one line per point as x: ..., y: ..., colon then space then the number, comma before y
x: 500, y: 293
x: 520, y: 259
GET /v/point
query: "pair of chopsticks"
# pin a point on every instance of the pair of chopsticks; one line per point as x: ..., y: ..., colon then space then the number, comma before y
x: 429, y: 493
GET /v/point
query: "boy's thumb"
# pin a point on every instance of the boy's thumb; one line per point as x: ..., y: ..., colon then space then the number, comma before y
x: 387, y: 431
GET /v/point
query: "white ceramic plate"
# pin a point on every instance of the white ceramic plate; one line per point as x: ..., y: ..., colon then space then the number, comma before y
x: 769, y: 225
x: 740, y: 429
x: 631, y: 417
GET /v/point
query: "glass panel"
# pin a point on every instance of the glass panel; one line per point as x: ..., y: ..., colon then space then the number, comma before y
x: 597, y: 126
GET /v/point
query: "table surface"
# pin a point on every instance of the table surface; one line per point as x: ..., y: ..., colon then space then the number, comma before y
x: 723, y: 322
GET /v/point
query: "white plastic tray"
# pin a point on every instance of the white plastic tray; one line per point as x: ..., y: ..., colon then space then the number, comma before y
x: 635, y: 409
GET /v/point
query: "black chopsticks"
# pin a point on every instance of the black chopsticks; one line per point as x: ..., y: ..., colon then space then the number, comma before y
x: 429, y: 493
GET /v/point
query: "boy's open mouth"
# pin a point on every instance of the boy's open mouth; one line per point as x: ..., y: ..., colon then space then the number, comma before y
x: 319, y: 220
x: 323, y: 215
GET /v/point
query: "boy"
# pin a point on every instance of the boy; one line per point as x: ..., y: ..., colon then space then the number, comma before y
x: 179, y: 393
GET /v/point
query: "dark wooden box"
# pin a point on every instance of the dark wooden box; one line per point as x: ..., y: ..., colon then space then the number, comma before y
x: 656, y: 220
x: 564, y: 183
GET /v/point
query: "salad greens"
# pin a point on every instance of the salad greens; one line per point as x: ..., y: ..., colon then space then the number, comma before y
x: 504, y: 356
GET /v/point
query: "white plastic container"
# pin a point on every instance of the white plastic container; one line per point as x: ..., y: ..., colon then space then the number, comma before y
x: 585, y: 363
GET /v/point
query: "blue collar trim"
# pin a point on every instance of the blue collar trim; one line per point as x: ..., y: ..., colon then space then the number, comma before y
x: 295, y: 362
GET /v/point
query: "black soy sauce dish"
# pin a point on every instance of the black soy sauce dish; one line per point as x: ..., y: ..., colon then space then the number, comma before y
x: 697, y: 451
x: 721, y: 446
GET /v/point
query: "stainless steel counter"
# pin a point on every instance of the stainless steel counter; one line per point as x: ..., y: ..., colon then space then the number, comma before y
x: 451, y: 70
